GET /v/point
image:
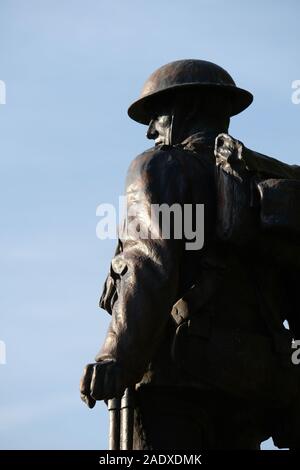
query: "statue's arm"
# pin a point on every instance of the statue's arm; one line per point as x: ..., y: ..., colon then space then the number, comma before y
x: 147, y: 268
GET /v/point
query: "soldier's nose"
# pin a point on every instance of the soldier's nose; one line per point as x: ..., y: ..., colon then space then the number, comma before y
x: 152, y: 132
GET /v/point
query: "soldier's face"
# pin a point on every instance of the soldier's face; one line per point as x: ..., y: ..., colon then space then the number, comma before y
x: 160, y: 129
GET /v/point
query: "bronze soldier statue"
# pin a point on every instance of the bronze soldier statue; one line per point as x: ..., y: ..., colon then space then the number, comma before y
x: 200, y: 333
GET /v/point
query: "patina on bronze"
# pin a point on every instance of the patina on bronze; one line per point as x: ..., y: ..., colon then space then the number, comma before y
x: 200, y: 334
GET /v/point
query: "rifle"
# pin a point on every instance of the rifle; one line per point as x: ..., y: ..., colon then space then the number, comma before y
x: 121, y: 421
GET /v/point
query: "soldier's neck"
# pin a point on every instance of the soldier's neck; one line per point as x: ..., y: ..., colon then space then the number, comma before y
x: 204, y: 135
x: 206, y: 129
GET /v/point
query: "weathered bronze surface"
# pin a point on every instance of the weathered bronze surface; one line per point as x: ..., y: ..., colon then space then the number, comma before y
x: 200, y: 333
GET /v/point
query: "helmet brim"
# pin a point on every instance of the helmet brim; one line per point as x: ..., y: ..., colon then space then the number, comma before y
x: 143, y: 109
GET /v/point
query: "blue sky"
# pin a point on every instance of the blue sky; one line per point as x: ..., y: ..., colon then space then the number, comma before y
x: 71, y: 69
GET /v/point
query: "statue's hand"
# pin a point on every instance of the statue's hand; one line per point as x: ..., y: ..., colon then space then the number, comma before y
x: 101, y: 381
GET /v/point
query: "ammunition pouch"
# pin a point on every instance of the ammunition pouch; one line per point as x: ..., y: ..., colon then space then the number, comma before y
x: 240, y: 363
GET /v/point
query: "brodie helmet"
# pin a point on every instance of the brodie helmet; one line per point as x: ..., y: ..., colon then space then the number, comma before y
x: 184, y: 74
